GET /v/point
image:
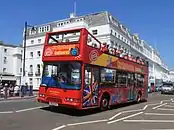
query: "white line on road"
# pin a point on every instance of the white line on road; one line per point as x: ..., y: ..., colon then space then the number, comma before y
x: 159, y: 129
x: 165, y: 101
x: 60, y: 127
x: 115, y: 116
x: 169, y: 106
x: 29, y: 109
x: 159, y: 114
x: 159, y: 106
x: 165, y: 109
x: 124, y: 118
x: 87, y: 122
x: 145, y: 107
x: 132, y: 111
x: 6, y: 112
x: 151, y: 121
x: 155, y: 104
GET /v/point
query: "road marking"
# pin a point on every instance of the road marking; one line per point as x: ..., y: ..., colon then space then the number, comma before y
x: 159, y: 106
x: 115, y: 116
x: 87, y: 122
x: 124, y: 118
x: 60, y: 127
x: 165, y: 100
x: 159, y: 114
x: 155, y: 104
x: 29, y: 109
x: 151, y: 121
x: 145, y: 107
x: 159, y: 129
x: 168, y: 106
x: 6, y: 112
x: 165, y: 109
x: 132, y: 111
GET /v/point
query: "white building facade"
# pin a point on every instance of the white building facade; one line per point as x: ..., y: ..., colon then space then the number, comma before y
x: 106, y: 29
x: 171, y: 75
x: 10, y: 63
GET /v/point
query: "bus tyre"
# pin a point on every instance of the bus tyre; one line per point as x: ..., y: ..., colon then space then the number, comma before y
x: 104, y: 103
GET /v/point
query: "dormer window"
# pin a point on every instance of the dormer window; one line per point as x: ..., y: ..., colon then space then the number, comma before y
x: 94, y: 32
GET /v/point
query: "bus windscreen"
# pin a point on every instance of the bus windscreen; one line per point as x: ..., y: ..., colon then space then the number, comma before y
x: 64, y: 75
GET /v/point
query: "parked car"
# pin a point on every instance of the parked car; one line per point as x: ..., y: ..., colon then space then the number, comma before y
x: 168, y: 89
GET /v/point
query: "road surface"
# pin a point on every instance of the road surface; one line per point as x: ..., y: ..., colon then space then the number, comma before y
x: 156, y: 114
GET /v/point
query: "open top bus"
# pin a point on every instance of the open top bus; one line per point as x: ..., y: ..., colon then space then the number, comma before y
x: 79, y: 74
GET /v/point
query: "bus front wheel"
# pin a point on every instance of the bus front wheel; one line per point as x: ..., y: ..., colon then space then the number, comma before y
x: 104, y: 103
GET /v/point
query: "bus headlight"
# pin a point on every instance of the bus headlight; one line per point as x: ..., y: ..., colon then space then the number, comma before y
x: 41, y: 95
x: 72, y: 100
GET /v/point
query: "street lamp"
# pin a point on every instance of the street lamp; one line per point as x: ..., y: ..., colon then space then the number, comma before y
x: 25, y: 36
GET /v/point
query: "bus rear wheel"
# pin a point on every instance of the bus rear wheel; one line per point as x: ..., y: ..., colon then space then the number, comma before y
x: 104, y: 103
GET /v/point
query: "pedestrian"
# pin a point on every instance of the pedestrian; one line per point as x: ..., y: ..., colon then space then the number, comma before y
x: 16, y: 90
x: 11, y: 90
x: 6, y: 91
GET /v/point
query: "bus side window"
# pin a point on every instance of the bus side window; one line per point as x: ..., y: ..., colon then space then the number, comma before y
x: 140, y: 80
x: 130, y: 79
x: 122, y: 79
x: 107, y: 75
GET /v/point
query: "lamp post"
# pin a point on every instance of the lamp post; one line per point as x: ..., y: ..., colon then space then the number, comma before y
x: 25, y: 37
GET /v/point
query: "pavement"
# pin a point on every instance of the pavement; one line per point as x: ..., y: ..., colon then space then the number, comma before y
x: 19, y: 97
x: 155, y: 114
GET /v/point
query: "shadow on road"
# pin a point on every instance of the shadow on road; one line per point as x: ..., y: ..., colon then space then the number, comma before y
x: 78, y: 113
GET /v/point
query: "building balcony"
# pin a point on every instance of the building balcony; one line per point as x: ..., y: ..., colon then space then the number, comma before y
x: 30, y: 73
x: 37, y: 73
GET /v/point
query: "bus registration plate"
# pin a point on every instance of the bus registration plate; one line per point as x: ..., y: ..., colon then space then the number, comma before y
x: 53, y: 104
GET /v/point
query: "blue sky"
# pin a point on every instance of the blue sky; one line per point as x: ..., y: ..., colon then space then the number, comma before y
x: 152, y: 19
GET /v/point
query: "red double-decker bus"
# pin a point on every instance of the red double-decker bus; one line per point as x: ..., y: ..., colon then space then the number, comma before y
x: 78, y: 73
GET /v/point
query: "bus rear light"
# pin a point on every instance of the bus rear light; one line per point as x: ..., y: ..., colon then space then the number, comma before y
x: 72, y: 100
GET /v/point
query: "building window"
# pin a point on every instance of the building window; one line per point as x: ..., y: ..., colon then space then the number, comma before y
x: 4, y: 70
x: 112, y: 44
x: 38, y: 53
x: 39, y: 40
x: 31, y: 54
x: 5, y: 60
x: 111, y: 31
x: 119, y: 36
x: 94, y: 32
x: 42, y: 29
x: 32, y: 41
x: 20, y: 70
x: 38, y: 68
x: 38, y: 81
x: 5, y: 50
x: 31, y: 68
x: 30, y: 81
x: 115, y: 34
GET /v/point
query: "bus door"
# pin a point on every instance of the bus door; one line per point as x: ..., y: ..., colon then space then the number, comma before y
x: 131, y: 86
x: 91, y: 90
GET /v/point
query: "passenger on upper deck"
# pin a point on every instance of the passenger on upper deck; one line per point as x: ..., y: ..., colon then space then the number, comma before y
x: 118, y: 51
x: 104, y: 48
